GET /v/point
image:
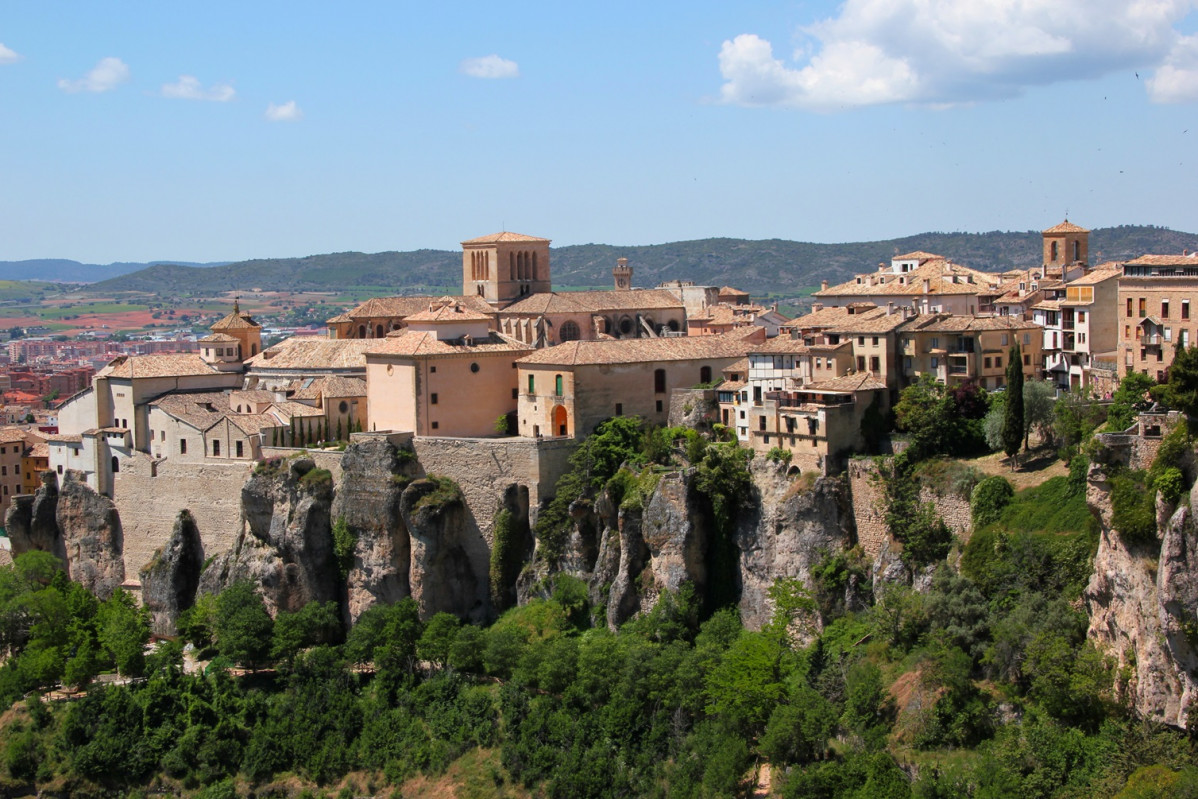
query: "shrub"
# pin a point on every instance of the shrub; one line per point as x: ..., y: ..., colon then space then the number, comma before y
x: 1171, y: 484
x: 444, y: 492
x: 1134, y: 513
x: 988, y: 499
x: 779, y: 455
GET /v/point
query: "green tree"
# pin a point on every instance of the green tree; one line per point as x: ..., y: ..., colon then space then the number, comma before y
x: 243, y: 627
x: 1180, y: 391
x: 124, y: 631
x: 436, y: 642
x: 1128, y: 400
x: 314, y: 623
x: 1013, y: 424
x: 1039, y: 397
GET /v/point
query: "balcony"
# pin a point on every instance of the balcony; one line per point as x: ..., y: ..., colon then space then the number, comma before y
x: 1069, y: 341
x: 1150, y: 339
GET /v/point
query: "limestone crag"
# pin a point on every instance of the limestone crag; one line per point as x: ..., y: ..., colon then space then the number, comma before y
x: 286, y: 547
x: 1142, y: 599
x: 791, y: 529
x: 169, y: 581
x: 92, y: 536
x: 373, y: 477
x: 448, y: 564
x: 32, y: 520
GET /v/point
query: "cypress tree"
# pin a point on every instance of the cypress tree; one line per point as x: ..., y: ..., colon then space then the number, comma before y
x: 294, y: 436
x: 338, y: 428
x: 1012, y: 426
x: 274, y: 436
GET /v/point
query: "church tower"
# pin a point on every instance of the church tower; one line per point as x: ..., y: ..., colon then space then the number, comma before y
x: 622, y: 274
x: 242, y: 328
x: 1066, y: 244
x: 505, y: 267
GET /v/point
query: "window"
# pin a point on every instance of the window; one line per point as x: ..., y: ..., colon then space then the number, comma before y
x: 1185, y: 309
x: 935, y: 362
x: 532, y: 385
x: 436, y: 425
x: 1027, y: 360
x: 659, y: 381
x: 1164, y: 309
x: 1081, y: 316
x: 557, y: 385
x: 432, y: 370
x: 985, y: 363
x: 1005, y: 339
x: 875, y: 341
x: 860, y: 363
x: 432, y: 398
x: 1027, y: 339
x: 116, y: 465
x: 4, y: 470
x: 474, y: 368
x: 761, y: 423
x: 515, y: 393
x: 659, y: 406
x: 568, y: 331
x: 619, y: 409
x: 998, y: 361
x: 216, y: 449
x: 705, y: 374
x: 860, y: 341
x: 1129, y: 306
x: 183, y: 446
x: 1143, y: 307
x: 935, y: 343
x: 240, y: 450
x: 875, y: 364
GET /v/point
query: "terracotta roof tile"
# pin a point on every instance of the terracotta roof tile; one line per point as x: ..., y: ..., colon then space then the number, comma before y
x: 507, y: 235
x: 305, y: 352
x: 642, y: 350
x: 417, y: 343
x: 594, y: 302
x: 1165, y: 260
x: 1066, y: 227
x: 183, y: 364
x: 944, y: 277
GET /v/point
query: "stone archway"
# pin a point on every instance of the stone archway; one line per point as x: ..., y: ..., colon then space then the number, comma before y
x: 561, y: 421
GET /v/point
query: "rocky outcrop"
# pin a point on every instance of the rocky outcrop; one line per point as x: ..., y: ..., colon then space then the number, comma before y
x: 169, y: 581
x: 75, y: 523
x: 1142, y: 600
x: 32, y: 520
x: 794, y: 526
x: 373, y: 477
x: 448, y: 567
x: 286, y: 547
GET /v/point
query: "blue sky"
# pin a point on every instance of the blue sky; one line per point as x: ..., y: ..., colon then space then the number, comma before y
x: 223, y: 131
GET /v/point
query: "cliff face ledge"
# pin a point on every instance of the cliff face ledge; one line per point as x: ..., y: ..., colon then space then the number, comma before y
x: 373, y: 477
x: 170, y: 580
x: 448, y: 571
x: 286, y: 547
x: 1142, y: 599
x: 75, y: 523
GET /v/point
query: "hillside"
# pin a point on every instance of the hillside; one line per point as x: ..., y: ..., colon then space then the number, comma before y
x: 61, y: 270
x: 775, y: 266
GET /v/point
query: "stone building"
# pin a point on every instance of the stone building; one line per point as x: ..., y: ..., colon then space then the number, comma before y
x: 1080, y: 327
x: 1156, y: 296
x: 445, y: 374
x: 957, y: 349
x: 568, y: 389
x: 922, y: 282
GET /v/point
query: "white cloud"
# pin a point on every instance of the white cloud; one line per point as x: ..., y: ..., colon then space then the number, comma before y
x: 8, y: 55
x: 955, y: 51
x: 189, y: 88
x: 1176, y: 81
x: 104, y: 76
x: 489, y: 66
x: 287, y: 112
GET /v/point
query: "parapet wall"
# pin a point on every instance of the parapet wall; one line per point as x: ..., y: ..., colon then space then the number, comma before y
x: 869, y: 508
x: 485, y: 467
x: 150, y: 495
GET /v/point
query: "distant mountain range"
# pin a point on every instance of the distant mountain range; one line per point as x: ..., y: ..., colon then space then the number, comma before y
x: 60, y: 270
x: 775, y: 266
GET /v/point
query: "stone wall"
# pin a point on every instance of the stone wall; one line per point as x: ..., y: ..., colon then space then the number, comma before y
x: 869, y: 508
x: 150, y: 495
x: 324, y: 459
x: 485, y: 467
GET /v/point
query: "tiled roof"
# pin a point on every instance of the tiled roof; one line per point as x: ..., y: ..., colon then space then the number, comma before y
x: 873, y: 322
x: 251, y: 423
x: 642, y: 350
x: 252, y: 395
x: 919, y: 255
x: 780, y: 344
x: 183, y: 364
x: 950, y: 323
x: 826, y: 317
x: 235, y: 320
x: 305, y: 352
x: 64, y: 438
x: 423, y: 342
x: 1048, y: 305
x: 341, y: 317
x: 1066, y: 227
x: 594, y: 302
x: 741, y: 365
x: 403, y: 307
x: 862, y: 381
x: 1165, y: 260
x: 450, y: 312
x: 939, y: 273
x: 287, y: 409
x: 496, y: 238
x: 10, y: 434
x: 1099, y: 275
x: 218, y: 337
x: 732, y: 292
x: 200, y: 410
x: 39, y: 450
x: 331, y: 387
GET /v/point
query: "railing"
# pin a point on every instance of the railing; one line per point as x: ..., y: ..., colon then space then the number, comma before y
x: 1151, y: 339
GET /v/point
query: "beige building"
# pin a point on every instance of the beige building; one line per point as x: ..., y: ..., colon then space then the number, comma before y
x: 568, y: 389
x: 920, y: 281
x: 446, y: 374
x: 14, y: 443
x: 1080, y: 327
x: 956, y: 349
x: 1157, y: 298
x: 379, y: 316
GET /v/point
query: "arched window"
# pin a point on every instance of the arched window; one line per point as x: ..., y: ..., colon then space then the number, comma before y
x: 568, y: 331
x: 705, y: 374
x: 116, y: 465
x: 673, y: 325
x: 1077, y: 250
x: 253, y: 349
x: 512, y: 265
x: 535, y: 272
x: 361, y: 331
x: 659, y: 381
x: 625, y: 326
x: 1053, y: 250
x: 378, y: 331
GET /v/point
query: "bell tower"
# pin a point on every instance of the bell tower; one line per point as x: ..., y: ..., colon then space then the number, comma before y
x: 1066, y: 244
x: 503, y: 268
x: 622, y: 275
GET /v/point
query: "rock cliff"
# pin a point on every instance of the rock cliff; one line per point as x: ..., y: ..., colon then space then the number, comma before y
x: 1142, y: 599
x: 447, y: 572
x: 169, y: 581
x: 75, y: 523
x: 286, y: 547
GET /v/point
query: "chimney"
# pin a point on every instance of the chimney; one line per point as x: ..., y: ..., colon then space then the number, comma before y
x: 927, y: 285
x: 823, y: 285
x: 890, y: 308
x: 818, y: 306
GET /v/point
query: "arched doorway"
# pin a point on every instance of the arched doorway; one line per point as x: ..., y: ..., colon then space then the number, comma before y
x: 561, y: 420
